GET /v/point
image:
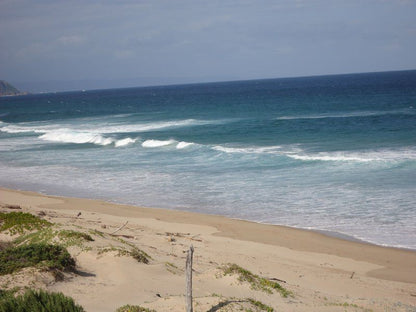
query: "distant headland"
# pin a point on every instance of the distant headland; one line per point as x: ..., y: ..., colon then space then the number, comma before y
x: 6, y: 89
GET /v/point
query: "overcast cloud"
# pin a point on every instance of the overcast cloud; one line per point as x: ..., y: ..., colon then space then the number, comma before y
x: 123, y: 43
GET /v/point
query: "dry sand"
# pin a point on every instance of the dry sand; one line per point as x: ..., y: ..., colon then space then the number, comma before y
x: 323, y: 273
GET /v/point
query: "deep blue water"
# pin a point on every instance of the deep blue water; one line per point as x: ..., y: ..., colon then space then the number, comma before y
x: 335, y: 153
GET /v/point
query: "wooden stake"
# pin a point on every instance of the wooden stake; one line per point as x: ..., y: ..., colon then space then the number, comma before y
x: 189, y: 279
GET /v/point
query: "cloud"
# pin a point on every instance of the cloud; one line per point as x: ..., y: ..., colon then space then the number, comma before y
x: 238, y: 38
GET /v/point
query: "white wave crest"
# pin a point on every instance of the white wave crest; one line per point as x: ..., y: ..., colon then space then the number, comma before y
x: 297, y: 153
x: 249, y: 150
x: 182, y: 145
x: 70, y: 136
x: 382, y: 155
x: 157, y: 143
x: 152, y: 126
x: 323, y: 157
x: 19, y: 129
x: 124, y: 142
x: 104, y: 127
x: 349, y: 114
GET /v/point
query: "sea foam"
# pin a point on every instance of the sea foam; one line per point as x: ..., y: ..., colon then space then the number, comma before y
x: 20, y: 129
x: 124, y: 142
x: 248, y: 150
x: 182, y: 145
x: 381, y: 155
x: 157, y: 143
x: 71, y: 136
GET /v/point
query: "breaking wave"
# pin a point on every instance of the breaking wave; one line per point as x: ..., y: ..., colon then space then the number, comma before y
x: 182, y: 145
x: 157, y: 143
x: 124, y: 142
x: 81, y: 137
x: 382, y: 155
x: 153, y: 126
x: 105, y: 127
x: 70, y: 136
x: 296, y: 153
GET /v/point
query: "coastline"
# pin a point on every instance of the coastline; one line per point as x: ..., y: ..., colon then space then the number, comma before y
x: 328, y: 233
x: 310, y: 262
x: 277, y: 235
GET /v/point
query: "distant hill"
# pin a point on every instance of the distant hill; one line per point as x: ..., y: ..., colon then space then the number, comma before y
x: 6, y: 89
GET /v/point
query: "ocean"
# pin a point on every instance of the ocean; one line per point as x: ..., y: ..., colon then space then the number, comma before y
x: 330, y: 153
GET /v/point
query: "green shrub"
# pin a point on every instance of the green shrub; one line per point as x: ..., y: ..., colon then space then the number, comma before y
x: 51, y: 256
x: 4, y: 245
x: 48, y: 235
x: 42, y: 236
x: 39, y: 301
x: 133, y: 308
x: 18, y: 222
x: 6, y: 294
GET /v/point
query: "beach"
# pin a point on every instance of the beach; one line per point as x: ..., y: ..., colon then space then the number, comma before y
x: 320, y: 273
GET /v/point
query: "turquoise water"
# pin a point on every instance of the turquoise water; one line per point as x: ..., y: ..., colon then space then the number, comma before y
x: 333, y: 153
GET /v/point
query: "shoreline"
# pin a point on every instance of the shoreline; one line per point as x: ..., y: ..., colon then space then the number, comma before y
x: 328, y: 233
x: 397, y: 264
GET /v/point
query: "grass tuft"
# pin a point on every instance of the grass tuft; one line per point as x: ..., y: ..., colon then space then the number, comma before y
x: 19, y: 222
x: 73, y: 237
x: 260, y: 305
x: 256, y: 282
x: 136, y: 253
x: 140, y: 255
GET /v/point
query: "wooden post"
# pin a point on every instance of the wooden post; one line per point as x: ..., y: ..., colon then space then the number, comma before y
x: 189, y: 279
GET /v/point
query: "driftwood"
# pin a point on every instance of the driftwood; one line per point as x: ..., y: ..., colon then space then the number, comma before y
x: 123, y: 235
x: 189, y: 279
x: 119, y: 228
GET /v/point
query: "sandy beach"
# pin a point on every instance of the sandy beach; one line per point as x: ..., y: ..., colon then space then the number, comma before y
x: 321, y: 273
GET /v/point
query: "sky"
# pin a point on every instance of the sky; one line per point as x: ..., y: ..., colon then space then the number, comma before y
x: 56, y: 45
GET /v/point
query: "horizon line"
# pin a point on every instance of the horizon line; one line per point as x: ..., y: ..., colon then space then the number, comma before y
x: 191, y: 83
